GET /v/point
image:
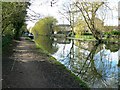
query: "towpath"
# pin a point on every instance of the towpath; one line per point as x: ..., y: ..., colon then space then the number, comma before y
x: 24, y: 66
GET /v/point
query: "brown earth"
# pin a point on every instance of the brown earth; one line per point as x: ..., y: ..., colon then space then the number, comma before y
x: 24, y: 66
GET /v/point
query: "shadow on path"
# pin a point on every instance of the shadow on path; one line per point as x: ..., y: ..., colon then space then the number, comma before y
x: 25, y: 67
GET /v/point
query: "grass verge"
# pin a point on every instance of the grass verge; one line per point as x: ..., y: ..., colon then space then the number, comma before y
x: 81, y: 82
x: 53, y: 60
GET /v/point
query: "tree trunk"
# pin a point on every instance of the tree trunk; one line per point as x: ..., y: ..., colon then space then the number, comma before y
x: 96, y: 34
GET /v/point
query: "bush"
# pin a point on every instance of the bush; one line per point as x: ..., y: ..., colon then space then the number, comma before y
x: 115, y: 32
x: 44, y: 26
x: 112, y: 33
x: 6, y: 40
x: 107, y: 33
x: 87, y: 33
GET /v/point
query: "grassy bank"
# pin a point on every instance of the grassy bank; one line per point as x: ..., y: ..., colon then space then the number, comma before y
x: 83, y: 38
x: 53, y: 61
x: 114, y: 38
x: 81, y: 82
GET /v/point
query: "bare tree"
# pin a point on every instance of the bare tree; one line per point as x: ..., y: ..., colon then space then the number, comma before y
x: 69, y: 13
x: 33, y: 16
x: 88, y: 11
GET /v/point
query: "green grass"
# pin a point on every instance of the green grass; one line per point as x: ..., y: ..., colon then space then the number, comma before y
x: 87, y: 37
x: 83, y: 37
x: 81, y: 82
x: 53, y: 60
x: 90, y: 37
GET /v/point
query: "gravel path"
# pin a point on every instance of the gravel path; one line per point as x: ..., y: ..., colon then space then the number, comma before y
x: 25, y: 67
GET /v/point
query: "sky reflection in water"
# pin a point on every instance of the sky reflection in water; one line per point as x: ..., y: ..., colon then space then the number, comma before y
x: 101, y: 73
x: 96, y: 64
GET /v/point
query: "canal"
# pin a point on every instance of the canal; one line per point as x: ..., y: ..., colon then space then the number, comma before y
x: 96, y: 64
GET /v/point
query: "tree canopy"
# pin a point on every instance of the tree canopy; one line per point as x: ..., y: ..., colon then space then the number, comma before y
x: 44, y: 26
x: 13, y: 18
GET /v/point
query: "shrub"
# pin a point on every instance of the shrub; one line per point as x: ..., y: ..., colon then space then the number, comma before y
x: 6, y: 40
x: 112, y: 33
x: 86, y: 33
x: 115, y: 32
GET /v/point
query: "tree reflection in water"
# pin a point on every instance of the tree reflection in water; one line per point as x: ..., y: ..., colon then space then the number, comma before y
x: 91, y: 62
x: 95, y: 64
x: 46, y: 43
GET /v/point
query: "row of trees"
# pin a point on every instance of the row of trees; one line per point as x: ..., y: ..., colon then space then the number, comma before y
x: 82, y: 14
x: 13, y: 18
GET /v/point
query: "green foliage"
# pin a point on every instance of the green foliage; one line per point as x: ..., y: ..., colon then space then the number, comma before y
x: 114, y: 32
x: 77, y: 36
x: 87, y: 33
x: 79, y: 27
x: 106, y: 33
x: 13, y: 18
x: 57, y: 28
x: 110, y: 46
x: 88, y: 11
x: 45, y: 43
x: 44, y: 26
x: 84, y: 37
x: 6, y: 40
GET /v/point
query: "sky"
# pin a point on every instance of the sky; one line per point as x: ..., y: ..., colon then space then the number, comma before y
x: 43, y: 7
x: 119, y: 12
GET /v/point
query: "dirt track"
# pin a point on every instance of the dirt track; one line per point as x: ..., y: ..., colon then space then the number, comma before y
x: 25, y: 67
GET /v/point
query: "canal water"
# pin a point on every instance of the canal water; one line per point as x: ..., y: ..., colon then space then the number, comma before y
x: 97, y: 64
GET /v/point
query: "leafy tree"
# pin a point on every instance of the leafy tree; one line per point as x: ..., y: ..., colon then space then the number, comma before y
x: 44, y: 26
x: 79, y: 27
x: 13, y: 18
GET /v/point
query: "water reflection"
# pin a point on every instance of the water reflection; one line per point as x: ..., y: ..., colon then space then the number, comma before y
x: 46, y: 43
x: 97, y: 64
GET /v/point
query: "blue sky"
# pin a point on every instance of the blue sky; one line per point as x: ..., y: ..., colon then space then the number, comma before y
x: 43, y: 7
